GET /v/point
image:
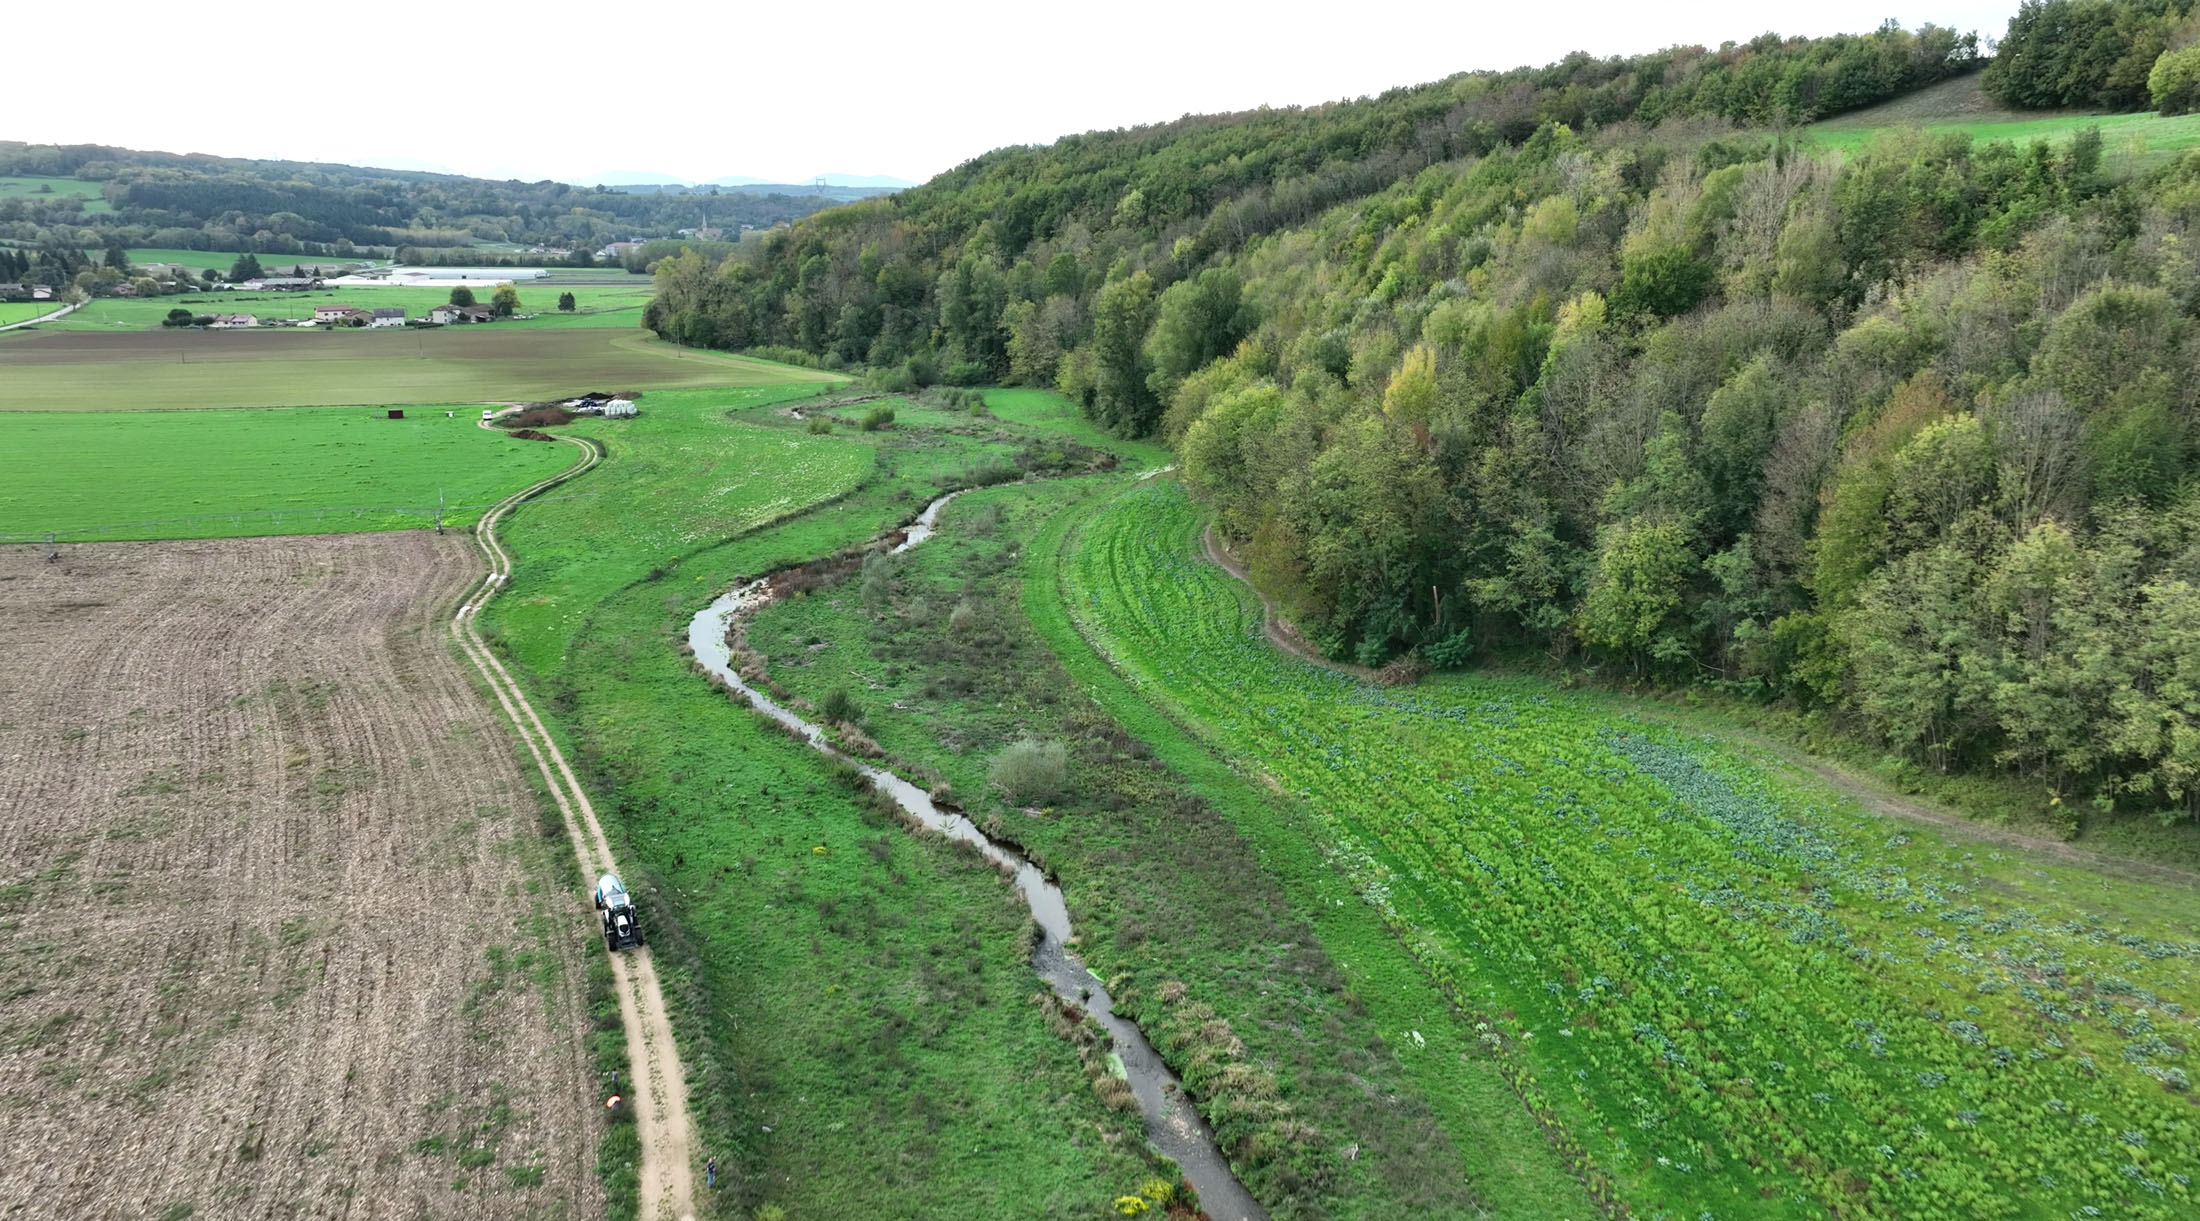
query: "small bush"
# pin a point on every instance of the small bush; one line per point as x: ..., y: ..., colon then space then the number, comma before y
x: 987, y: 474
x: 877, y: 418
x: 1030, y: 770
x: 820, y: 426
x: 878, y: 579
x: 1451, y: 652
x: 838, y: 705
x: 962, y: 616
x: 891, y: 381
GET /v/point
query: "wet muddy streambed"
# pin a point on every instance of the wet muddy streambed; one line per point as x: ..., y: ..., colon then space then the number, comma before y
x: 1173, y: 1126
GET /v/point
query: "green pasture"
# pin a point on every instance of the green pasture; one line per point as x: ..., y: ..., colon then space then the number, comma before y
x: 21, y: 311
x: 2130, y: 140
x: 853, y: 1001
x: 1740, y: 992
x: 619, y: 306
x: 220, y: 260
x: 77, y: 471
x: 35, y: 187
x: 48, y: 370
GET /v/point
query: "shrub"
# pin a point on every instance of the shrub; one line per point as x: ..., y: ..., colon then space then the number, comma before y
x: 877, y: 418
x: 891, y: 381
x: 878, y: 579
x: 1451, y: 652
x: 839, y: 706
x: 820, y: 426
x: 1030, y: 770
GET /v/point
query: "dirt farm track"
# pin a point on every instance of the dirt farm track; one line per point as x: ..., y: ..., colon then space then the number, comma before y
x: 280, y: 934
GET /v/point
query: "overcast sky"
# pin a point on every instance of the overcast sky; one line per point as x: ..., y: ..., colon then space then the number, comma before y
x: 788, y: 91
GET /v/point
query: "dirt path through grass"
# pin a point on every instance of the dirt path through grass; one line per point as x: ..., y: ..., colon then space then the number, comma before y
x: 658, y: 1085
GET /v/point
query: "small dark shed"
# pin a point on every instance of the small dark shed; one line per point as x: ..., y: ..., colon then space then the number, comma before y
x: 395, y: 414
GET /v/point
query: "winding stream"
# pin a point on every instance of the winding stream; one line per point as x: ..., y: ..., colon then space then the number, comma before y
x: 1172, y: 1124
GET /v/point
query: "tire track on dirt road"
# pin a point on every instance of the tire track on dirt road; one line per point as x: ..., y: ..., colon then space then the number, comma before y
x: 658, y: 1086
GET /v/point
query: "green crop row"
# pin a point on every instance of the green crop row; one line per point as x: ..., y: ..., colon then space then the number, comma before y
x: 1737, y: 998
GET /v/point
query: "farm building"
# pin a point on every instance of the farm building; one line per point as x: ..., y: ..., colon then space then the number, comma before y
x: 387, y: 315
x: 620, y: 409
x: 448, y: 314
x: 232, y: 322
x: 282, y: 284
x: 339, y: 315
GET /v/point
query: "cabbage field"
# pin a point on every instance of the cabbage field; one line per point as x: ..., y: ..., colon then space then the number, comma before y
x: 1730, y: 993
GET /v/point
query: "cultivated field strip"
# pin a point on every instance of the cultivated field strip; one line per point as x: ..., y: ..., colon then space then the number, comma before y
x: 658, y: 1085
x: 265, y: 925
x: 1730, y: 996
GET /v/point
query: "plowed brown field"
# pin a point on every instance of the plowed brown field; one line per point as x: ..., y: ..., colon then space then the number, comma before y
x: 269, y: 895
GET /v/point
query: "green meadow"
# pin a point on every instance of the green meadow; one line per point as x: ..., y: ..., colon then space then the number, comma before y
x: 19, y: 311
x: 596, y: 306
x: 75, y: 472
x: 31, y: 187
x: 2131, y: 141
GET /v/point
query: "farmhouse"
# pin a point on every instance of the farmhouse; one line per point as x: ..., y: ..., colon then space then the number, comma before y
x: 231, y: 322
x: 339, y: 315
x: 387, y: 315
x: 617, y: 250
x: 448, y: 314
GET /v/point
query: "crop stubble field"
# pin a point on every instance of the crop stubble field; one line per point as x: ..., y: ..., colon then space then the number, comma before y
x: 44, y: 370
x: 267, y: 896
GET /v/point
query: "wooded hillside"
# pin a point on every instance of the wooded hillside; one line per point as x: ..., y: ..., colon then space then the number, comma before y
x: 1497, y: 364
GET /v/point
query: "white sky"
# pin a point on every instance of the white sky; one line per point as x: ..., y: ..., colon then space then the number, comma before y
x: 786, y: 91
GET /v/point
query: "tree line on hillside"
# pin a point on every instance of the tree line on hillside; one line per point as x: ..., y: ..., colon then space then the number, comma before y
x: 2110, y: 55
x: 291, y: 208
x: 1906, y: 435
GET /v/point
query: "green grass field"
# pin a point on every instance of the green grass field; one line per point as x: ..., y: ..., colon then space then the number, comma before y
x: 1741, y: 993
x: 613, y: 306
x: 45, y: 370
x: 2131, y: 141
x: 20, y: 311
x: 34, y: 187
x: 274, y: 264
x: 76, y: 471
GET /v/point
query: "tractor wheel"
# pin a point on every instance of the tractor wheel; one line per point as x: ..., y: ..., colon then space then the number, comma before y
x: 610, y: 942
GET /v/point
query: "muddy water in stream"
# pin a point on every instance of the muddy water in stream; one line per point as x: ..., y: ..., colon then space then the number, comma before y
x: 1171, y: 1123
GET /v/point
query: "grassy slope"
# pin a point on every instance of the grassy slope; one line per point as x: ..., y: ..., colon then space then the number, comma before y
x: 46, y: 371
x: 73, y: 471
x: 1708, y: 819
x: 2132, y: 140
x: 1188, y: 886
x: 855, y: 1019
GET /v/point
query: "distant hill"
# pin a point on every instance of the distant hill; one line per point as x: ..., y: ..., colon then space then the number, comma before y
x: 835, y: 192
x: 89, y: 196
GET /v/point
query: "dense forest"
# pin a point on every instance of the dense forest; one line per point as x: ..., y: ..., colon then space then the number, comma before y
x: 195, y: 202
x: 1499, y: 365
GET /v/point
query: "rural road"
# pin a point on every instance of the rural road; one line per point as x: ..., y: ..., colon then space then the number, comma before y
x: 657, y: 1086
